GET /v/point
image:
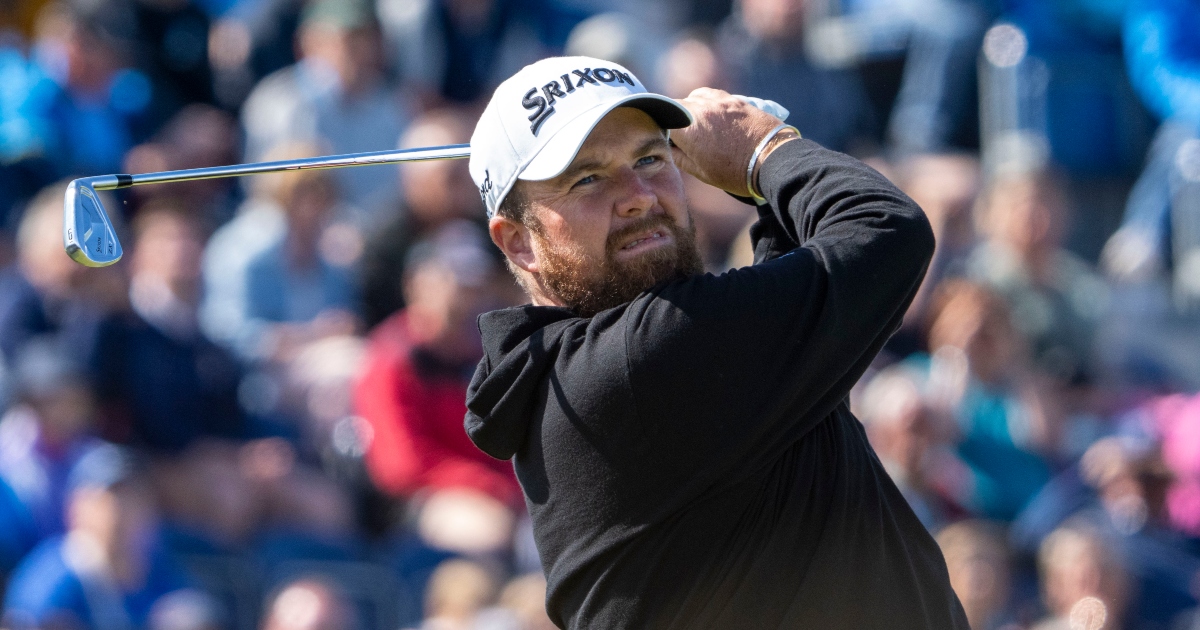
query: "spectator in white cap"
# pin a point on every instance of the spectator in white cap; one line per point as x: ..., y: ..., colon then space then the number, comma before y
x: 683, y: 440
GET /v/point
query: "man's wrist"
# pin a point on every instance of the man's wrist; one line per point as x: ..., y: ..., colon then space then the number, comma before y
x: 773, y: 140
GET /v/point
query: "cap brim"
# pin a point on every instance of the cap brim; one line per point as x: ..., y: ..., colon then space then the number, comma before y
x: 560, y: 149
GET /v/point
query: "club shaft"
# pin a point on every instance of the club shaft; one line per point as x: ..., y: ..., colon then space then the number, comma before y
x: 450, y: 152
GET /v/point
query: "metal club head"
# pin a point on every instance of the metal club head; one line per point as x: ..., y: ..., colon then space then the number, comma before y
x: 88, y: 233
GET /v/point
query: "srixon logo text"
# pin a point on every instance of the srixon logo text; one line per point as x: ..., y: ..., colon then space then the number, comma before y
x: 543, y: 106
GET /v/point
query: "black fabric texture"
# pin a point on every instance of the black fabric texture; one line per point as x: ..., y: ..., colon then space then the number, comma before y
x: 689, y: 459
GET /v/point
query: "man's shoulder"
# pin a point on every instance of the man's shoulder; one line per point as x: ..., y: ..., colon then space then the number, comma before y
x: 505, y: 329
x: 546, y: 330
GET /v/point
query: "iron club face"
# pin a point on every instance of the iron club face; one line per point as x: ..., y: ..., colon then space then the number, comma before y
x: 88, y: 233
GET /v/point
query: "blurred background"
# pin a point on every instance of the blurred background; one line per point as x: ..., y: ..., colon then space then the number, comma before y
x: 255, y: 419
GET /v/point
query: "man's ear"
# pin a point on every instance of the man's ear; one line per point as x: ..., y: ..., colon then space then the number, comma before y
x: 515, y: 241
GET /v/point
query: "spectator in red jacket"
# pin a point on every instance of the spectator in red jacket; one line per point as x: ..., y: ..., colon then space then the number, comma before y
x: 413, y: 390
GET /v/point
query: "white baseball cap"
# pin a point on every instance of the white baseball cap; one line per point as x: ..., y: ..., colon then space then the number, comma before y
x: 539, y: 118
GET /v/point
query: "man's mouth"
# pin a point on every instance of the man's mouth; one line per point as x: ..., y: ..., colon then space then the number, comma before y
x: 656, y: 235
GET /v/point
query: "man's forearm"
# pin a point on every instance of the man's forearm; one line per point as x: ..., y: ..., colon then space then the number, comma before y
x: 811, y: 190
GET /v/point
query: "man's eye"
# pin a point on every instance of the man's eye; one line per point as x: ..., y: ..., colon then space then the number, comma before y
x: 586, y: 180
x: 649, y: 159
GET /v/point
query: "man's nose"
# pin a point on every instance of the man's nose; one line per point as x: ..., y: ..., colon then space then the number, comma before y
x: 638, y: 195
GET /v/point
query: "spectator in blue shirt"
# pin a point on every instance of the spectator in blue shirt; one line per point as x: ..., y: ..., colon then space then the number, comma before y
x: 84, y: 106
x: 1162, y: 51
x: 300, y: 289
x: 107, y: 571
x: 336, y: 95
x: 43, y: 436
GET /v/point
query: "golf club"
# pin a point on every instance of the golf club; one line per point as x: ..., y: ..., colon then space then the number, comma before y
x: 91, y: 240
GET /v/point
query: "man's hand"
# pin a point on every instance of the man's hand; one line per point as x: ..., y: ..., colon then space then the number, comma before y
x: 716, y: 148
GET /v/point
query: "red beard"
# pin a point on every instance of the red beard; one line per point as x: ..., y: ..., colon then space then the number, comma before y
x: 588, y: 286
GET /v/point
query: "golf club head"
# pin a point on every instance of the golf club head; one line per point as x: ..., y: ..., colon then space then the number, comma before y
x: 88, y: 233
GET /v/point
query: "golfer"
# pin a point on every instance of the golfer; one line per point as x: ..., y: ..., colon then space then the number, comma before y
x: 683, y: 439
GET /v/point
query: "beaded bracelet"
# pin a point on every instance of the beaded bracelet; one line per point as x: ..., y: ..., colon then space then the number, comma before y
x: 759, y: 199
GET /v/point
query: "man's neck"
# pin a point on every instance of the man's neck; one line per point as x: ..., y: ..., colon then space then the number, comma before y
x: 539, y: 295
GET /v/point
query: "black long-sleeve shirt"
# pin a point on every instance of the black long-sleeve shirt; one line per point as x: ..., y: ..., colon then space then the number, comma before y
x: 689, y: 459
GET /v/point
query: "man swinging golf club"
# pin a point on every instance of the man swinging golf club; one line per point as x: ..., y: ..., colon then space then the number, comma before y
x: 683, y: 439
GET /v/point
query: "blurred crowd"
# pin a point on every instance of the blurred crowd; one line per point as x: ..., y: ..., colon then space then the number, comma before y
x: 255, y: 419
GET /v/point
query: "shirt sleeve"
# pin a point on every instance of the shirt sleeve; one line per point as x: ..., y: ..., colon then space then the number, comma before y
x: 744, y: 364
